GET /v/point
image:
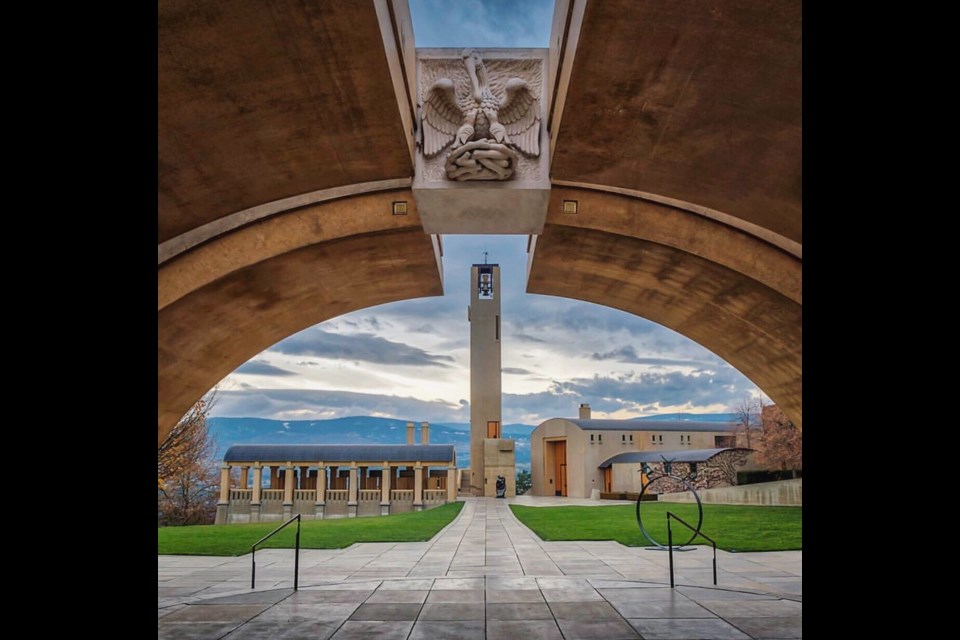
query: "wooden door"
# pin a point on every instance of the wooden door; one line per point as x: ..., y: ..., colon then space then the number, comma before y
x: 560, y: 459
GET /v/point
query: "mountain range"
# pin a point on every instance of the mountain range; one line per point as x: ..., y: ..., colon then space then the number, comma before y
x: 372, y: 430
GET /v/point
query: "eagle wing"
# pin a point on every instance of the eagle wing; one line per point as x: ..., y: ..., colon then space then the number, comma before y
x: 441, y: 116
x: 520, y: 114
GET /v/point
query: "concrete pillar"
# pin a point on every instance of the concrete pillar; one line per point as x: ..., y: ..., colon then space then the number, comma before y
x: 352, y: 496
x: 424, y: 433
x: 255, y: 493
x: 385, y: 489
x: 410, y: 433
x: 451, y: 484
x: 224, y: 502
x: 321, y: 502
x: 288, y: 478
x: 418, y: 488
x: 244, y: 477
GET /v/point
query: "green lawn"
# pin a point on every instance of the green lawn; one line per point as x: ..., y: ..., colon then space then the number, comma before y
x: 734, y: 527
x: 235, y: 539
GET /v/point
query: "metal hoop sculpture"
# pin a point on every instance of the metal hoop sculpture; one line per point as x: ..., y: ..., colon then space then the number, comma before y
x: 699, y: 511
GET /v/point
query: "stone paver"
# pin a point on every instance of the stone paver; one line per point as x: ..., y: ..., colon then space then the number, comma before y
x: 484, y: 576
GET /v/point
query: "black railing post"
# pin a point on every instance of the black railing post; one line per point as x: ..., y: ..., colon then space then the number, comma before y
x: 670, y: 547
x: 714, y: 564
x: 296, y: 559
x: 697, y: 533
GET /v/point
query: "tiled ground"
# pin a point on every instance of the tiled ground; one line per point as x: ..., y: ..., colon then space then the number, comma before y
x: 484, y: 576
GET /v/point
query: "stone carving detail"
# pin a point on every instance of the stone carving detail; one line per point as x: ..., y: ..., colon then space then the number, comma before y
x: 487, y: 131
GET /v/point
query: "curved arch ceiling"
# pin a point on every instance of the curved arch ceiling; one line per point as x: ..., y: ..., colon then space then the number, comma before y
x: 265, y: 102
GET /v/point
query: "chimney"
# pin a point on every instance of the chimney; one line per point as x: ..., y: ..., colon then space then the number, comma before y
x: 584, y: 411
x: 410, y: 433
x: 424, y: 433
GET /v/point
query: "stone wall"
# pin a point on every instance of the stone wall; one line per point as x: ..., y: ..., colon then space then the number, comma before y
x: 782, y: 493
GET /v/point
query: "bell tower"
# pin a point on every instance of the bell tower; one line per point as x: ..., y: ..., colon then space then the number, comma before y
x: 490, y: 455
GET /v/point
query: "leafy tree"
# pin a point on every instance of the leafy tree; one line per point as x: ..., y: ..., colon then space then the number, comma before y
x: 187, y: 475
x: 782, y: 442
x: 524, y: 482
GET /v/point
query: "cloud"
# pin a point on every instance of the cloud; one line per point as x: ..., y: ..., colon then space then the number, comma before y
x: 262, y: 368
x: 629, y: 354
x: 523, y: 337
x: 364, y: 347
x: 424, y: 328
x: 634, y: 393
x: 309, y: 404
x: 516, y: 371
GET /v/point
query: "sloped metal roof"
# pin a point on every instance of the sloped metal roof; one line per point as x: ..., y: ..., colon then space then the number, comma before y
x: 653, y: 425
x: 687, y: 455
x: 313, y: 453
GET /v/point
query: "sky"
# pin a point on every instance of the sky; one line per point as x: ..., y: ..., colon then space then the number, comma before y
x: 410, y: 360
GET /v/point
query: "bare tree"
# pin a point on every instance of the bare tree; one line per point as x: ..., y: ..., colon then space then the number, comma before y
x: 748, y: 413
x: 187, y: 477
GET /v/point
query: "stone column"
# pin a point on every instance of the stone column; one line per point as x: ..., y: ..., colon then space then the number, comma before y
x: 352, y: 496
x: 321, y: 501
x: 451, y: 484
x: 385, y: 489
x: 224, y: 502
x: 418, y: 487
x: 255, y: 493
x: 244, y: 477
x: 288, y: 480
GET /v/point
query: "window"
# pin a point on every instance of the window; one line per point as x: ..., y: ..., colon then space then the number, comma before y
x: 623, y: 437
x: 722, y: 442
x: 631, y: 437
x: 600, y: 438
x: 591, y: 438
x: 661, y: 438
x: 493, y: 429
x: 653, y: 438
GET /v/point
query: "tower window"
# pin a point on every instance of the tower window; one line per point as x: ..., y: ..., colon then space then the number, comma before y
x: 624, y: 437
x: 653, y: 438
x: 485, y: 282
x: 631, y: 437
x: 599, y: 437
x: 661, y: 438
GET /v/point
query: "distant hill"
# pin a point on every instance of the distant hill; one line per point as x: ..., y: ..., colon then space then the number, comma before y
x: 370, y: 430
x: 356, y: 430
x: 695, y: 417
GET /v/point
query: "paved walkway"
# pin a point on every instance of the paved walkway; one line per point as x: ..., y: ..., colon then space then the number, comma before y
x: 484, y: 576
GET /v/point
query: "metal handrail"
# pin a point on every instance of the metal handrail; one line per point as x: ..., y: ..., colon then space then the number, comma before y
x: 296, y: 557
x: 696, y: 532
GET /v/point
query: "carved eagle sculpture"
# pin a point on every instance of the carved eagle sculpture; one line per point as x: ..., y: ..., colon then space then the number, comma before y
x: 513, y: 121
